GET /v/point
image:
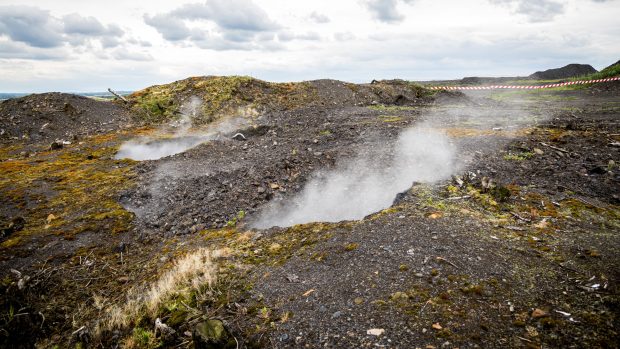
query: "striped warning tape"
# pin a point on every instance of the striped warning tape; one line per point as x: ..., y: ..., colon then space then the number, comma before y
x: 531, y: 87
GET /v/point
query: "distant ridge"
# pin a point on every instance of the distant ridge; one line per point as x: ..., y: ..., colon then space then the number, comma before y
x: 568, y: 71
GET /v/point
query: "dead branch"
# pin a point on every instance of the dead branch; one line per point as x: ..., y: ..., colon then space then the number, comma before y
x: 118, y: 96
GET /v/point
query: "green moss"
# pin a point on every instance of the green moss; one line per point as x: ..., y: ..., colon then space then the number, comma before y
x: 351, y: 246
x: 80, y: 192
x: 222, y: 96
x: 519, y: 156
x: 142, y: 339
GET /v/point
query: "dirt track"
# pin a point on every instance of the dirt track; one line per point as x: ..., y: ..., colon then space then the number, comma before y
x: 449, y: 265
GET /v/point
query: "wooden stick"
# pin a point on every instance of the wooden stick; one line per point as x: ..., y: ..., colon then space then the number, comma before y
x: 118, y: 96
x: 447, y: 261
x: 554, y: 148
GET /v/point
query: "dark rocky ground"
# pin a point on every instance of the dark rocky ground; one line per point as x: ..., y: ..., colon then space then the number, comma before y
x: 529, y: 260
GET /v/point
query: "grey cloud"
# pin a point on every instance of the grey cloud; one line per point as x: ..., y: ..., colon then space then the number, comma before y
x: 217, y: 25
x: 228, y: 14
x: 128, y: 55
x: 386, y: 10
x: 535, y: 10
x: 30, y: 25
x: 170, y: 28
x: 319, y: 18
x: 34, y: 28
x: 18, y: 50
x: 76, y: 24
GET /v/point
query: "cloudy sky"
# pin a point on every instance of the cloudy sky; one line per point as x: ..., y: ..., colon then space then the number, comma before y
x: 76, y: 45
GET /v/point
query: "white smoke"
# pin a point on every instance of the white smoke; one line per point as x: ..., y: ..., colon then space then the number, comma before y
x: 426, y: 153
x: 367, y: 183
x: 149, y: 149
x: 181, y: 139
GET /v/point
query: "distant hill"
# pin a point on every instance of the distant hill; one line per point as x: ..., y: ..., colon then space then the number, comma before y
x: 106, y: 95
x: 569, y: 71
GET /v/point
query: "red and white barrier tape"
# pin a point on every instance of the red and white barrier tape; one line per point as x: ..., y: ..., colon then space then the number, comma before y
x: 532, y: 87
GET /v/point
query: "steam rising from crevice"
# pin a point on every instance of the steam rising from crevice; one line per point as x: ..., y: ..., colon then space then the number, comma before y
x: 426, y: 153
x: 181, y: 139
x: 368, y: 183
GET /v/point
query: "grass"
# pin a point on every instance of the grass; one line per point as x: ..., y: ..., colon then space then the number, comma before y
x: 608, y: 72
x: 192, y: 273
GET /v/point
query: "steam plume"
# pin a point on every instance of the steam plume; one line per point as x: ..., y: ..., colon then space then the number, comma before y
x: 364, y: 185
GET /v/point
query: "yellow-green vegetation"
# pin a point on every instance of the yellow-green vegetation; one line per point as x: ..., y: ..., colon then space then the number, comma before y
x: 236, y: 219
x: 142, y: 339
x: 609, y: 72
x: 390, y: 108
x: 187, y: 281
x: 220, y: 96
x: 68, y: 191
x: 390, y: 118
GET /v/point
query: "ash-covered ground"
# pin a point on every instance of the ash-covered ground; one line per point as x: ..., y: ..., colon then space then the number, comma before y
x: 374, y: 215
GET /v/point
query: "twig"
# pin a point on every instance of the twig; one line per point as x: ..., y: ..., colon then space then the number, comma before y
x: 424, y: 306
x: 78, y: 330
x: 524, y: 339
x: 555, y: 148
x: 520, y: 218
x: 447, y: 261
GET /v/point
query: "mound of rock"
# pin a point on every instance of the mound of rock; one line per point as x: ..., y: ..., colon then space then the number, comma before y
x: 569, y: 71
x: 219, y: 96
x: 51, y: 116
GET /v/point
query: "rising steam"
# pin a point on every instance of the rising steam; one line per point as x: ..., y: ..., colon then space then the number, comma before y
x: 368, y: 183
x: 426, y: 153
x: 181, y: 139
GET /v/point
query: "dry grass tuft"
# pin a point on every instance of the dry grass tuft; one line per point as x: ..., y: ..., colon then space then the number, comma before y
x: 191, y: 273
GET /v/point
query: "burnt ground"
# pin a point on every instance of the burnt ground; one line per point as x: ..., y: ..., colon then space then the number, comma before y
x: 54, y: 116
x: 527, y: 261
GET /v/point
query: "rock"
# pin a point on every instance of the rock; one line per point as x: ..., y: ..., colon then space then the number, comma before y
x: 538, y: 151
x: 358, y: 300
x: 15, y: 225
x: 539, y: 313
x: 260, y: 190
x: 336, y: 315
x: 399, y: 296
x: 167, y: 332
x: 56, y: 145
x: 375, y: 331
x: 212, y: 334
x: 436, y: 326
x: 274, y: 186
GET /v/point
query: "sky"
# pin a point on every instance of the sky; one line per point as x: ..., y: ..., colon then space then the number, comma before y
x: 87, y: 46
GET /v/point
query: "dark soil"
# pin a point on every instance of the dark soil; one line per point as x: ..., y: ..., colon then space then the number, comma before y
x: 50, y: 116
x: 529, y: 260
